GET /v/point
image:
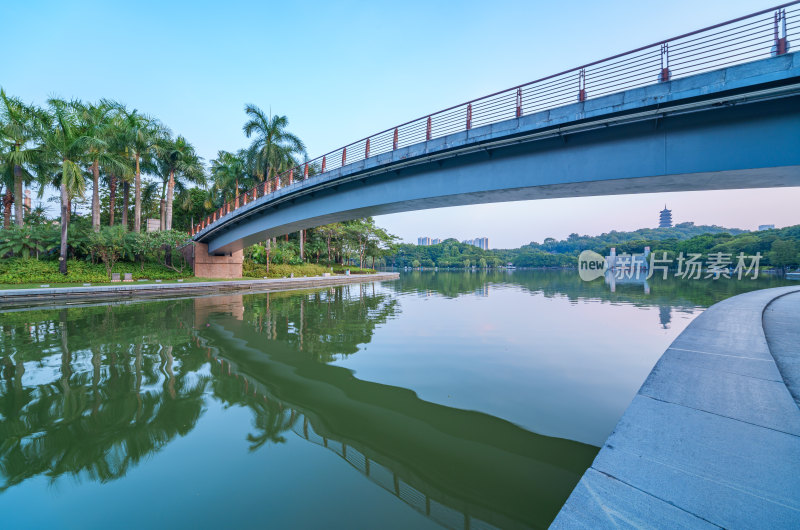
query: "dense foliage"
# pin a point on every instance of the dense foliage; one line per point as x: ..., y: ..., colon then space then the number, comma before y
x: 33, y: 271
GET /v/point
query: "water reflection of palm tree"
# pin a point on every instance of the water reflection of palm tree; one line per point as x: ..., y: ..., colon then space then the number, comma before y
x: 323, y: 324
x: 99, y: 422
x: 271, y: 420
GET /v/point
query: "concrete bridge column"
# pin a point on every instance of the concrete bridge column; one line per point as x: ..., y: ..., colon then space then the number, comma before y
x: 204, y: 265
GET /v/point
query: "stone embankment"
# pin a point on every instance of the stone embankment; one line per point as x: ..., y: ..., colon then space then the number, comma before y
x: 712, y: 439
x: 25, y: 297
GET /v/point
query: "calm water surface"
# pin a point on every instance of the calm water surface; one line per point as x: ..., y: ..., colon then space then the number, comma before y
x: 459, y: 400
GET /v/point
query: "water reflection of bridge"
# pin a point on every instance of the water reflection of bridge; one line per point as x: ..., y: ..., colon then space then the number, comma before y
x: 463, y: 469
x: 414, y: 493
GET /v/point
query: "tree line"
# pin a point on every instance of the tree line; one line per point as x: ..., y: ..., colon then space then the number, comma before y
x: 69, y: 143
x: 778, y: 248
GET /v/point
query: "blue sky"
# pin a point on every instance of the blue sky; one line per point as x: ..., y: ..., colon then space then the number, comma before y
x: 343, y: 70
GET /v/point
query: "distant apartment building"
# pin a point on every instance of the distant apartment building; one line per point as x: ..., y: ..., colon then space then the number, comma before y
x: 424, y: 241
x: 480, y: 242
x: 435, y: 241
x: 765, y: 227
x: 665, y: 218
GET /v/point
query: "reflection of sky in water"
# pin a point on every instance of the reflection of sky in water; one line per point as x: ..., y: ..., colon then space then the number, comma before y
x: 555, y: 366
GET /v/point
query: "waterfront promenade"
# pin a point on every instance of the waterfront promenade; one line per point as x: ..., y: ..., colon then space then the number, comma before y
x: 712, y: 439
x: 19, y: 297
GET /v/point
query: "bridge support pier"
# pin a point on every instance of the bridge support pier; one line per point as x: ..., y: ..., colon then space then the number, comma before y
x: 204, y: 265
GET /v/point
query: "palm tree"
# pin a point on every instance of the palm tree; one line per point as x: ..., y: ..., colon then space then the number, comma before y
x: 96, y: 121
x: 116, y: 175
x: 66, y: 145
x: 228, y: 171
x: 17, y: 133
x: 176, y: 159
x: 141, y: 132
x: 273, y: 143
x: 6, y: 191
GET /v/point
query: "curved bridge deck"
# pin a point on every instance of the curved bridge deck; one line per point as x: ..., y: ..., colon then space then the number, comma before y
x: 712, y: 439
x: 731, y: 128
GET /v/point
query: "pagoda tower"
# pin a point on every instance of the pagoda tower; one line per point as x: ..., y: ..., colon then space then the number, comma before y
x: 665, y: 218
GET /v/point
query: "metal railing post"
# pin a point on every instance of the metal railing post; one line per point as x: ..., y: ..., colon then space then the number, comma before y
x: 582, y: 85
x: 305, y: 171
x: 366, y: 149
x: 665, y: 74
x: 394, y: 140
x: 781, y: 43
x: 519, y: 102
x: 344, y: 156
x: 323, y: 164
x: 428, y: 130
x: 469, y: 116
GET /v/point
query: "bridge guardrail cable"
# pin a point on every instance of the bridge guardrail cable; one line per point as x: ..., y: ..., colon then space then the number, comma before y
x: 755, y: 36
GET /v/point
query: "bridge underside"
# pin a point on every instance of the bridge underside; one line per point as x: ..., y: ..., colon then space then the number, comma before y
x: 749, y: 138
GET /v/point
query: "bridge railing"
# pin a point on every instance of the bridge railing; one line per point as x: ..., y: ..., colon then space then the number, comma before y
x: 758, y: 35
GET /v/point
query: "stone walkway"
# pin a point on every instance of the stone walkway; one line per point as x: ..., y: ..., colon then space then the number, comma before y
x: 27, y: 297
x: 712, y: 439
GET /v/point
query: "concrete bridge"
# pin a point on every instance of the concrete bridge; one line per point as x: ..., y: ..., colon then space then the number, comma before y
x: 718, y: 108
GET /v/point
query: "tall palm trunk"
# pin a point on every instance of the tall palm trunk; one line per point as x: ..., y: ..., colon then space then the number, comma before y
x: 18, y: 220
x: 137, y: 199
x: 302, y: 244
x: 126, y: 200
x: 170, y: 197
x: 62, y: 265
x: 96, y: 196
x: 8, y: 202
x: 329, y: 248
x: 112, y: 198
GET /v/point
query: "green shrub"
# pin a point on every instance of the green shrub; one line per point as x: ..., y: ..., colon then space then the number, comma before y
x: 16, y: 271
x: 256, y: 270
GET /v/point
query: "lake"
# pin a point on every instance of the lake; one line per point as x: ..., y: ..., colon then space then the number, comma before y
x: 442, y: 399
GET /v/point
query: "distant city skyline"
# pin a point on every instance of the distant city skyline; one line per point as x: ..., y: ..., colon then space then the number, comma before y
x: 480, y: 242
